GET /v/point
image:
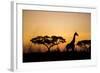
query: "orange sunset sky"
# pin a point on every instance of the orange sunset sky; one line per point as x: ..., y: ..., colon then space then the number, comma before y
x: 41, y: 23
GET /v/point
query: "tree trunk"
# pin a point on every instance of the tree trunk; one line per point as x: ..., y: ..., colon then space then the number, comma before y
x: 48, y: 49
x: 58, y: 48
x: 30, y: 48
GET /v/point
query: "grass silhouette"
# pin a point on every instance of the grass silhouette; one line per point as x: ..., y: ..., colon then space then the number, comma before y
x: 55, y: 56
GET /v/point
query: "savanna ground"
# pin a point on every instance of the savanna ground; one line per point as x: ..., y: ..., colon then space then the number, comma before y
x: 56, y: 56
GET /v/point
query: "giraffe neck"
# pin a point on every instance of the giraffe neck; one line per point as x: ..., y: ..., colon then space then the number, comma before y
x: 73, y: 40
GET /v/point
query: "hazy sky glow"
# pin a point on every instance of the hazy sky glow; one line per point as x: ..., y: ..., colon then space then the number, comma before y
x: 41, y: 23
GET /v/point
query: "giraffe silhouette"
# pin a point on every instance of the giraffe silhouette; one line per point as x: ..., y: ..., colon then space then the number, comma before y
x: 71, y: 45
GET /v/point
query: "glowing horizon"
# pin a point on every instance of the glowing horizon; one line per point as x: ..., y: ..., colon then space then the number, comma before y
x: 41, y: 23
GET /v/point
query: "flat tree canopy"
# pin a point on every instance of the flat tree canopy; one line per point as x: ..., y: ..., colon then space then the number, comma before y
x: 48, y: 41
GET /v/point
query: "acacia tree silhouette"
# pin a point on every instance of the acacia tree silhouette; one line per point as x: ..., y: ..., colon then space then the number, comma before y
x: 48, y: 41
x: 84, y: 43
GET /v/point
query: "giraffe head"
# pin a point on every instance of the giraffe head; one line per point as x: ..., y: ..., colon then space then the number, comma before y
x: 76, y: 34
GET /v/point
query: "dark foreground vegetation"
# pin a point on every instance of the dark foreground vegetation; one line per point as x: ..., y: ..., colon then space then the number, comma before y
x: 50, y: 41
x: 56, y: 56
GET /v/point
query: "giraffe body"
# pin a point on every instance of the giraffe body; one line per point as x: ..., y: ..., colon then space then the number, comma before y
x: 71, y: 45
